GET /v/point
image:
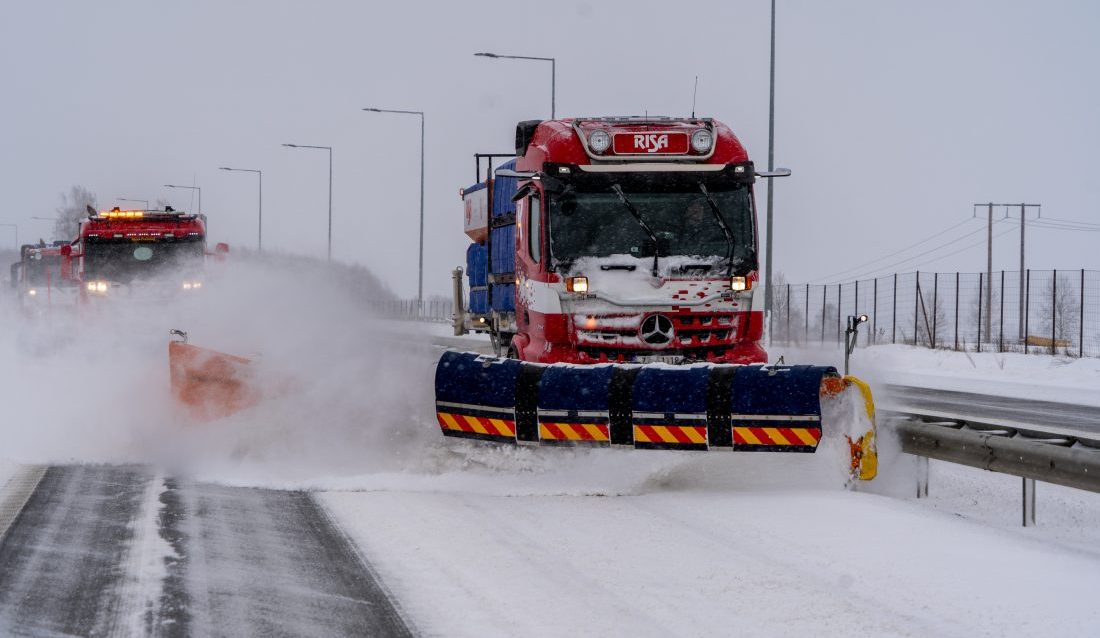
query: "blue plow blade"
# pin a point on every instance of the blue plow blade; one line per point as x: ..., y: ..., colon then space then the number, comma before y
x: 751, y: 408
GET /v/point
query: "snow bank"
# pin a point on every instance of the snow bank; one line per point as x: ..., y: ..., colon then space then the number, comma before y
x: 1045, y: 377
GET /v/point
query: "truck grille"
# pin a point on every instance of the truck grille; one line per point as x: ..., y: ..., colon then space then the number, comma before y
x: 698, y: 336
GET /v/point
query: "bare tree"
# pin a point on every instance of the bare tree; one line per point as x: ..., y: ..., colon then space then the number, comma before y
x: 1060, y: 306
x: 74, y: 207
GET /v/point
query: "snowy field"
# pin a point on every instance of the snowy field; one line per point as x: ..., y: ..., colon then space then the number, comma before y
x: 478, y: 540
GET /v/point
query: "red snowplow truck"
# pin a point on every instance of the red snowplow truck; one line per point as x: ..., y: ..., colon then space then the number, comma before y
x: 625, y: 241
x: 130, y: 252
x: 616, y: 239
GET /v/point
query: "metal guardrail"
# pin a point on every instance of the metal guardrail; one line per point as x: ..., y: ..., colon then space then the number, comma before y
x: 1072, y: 461
x: 1032, y: 454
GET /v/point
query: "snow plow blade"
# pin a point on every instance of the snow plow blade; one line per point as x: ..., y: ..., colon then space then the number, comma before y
x: 749, y: 408
x: 209, y: 384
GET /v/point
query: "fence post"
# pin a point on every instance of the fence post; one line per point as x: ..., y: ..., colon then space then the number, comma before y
x: 894, y: 313
x: 824, y: 302
x: 916, y: 308
x: 956, y: 311
x: 839, y: 297
x: 807, y: 336
x: 1001, y: 335
x: 1027, y: 308
x: 788, y: 334
x: 935, y: 301
x: 874, y: 312
x: 980, y: 289
x: 1054, y: 312
x: 1081, y: 320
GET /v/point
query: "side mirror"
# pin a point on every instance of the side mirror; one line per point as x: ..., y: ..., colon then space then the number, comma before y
x: 779, y: 172
x: 221, y: 248
x: 66, y: 250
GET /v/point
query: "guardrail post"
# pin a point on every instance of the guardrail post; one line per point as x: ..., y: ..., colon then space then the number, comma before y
x: 922, y: 477
x: 1029, y: 502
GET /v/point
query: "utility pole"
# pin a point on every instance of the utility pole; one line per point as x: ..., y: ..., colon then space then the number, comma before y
x: 989, y: 264
x: 1023, y: 224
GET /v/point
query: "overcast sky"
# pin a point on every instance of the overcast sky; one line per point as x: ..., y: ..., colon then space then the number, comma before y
x: 894, y: 116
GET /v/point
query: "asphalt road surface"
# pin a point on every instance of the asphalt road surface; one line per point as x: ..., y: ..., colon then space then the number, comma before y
x: 993, y: 409
x: 109, y: 550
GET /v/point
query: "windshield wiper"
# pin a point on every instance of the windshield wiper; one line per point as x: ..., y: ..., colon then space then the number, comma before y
x: 641, y: 222
x: 725, y: 229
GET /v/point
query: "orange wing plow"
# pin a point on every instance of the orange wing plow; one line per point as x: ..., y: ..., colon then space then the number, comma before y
x: 209, y: 384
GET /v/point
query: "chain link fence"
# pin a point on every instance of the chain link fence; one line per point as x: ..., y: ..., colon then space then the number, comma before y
x: 436, y: 310
x: 1037, y: 311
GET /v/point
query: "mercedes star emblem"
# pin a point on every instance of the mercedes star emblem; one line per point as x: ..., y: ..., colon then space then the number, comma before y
x: 657, y: 330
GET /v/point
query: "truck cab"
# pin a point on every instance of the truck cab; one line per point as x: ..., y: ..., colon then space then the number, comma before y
x: 135, y: 252
x: 623, y: 239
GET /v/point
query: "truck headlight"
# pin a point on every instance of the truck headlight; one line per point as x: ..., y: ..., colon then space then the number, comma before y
x: 740, y: 283
x: 192, y: 285
x: 577, y: 284
x: 599, y: 141
x: 702, y: 140
x: 32, y: 292
x: 97, y: 286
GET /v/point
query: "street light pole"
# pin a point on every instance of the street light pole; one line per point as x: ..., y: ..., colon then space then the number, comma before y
x: 329, y: 149
x: 420, y: 268
x: 127, y: 199
x: 553, y: 73
x: 191, y: 188
x: 260, y: 213
x: 771, y: 167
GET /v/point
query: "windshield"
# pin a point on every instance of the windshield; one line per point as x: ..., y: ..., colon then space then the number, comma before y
x: 40, y: 266
x: 599, y: 225
x: 125, y: 261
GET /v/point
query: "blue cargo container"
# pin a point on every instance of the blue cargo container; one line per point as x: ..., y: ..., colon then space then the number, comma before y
x: 477, y: 267
x: 502, y: 249
x: 503, y: 190
x: 504, y: 297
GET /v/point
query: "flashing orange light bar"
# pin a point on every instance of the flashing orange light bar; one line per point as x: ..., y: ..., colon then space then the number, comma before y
x: 121, y: 214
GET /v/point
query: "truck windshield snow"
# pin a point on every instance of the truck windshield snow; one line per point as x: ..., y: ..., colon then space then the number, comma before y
x: 599, y: 225
x: 125, y: 261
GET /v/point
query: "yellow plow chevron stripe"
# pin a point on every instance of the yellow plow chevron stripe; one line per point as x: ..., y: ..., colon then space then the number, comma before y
x: 502, y: 427
x: 804, y: 436
x: 450, y: 421
x: 475, y: 424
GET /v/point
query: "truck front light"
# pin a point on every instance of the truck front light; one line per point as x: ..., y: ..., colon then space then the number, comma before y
x: 740, y: 283
x: 577, y: 284
x: 32, y: 292
x: 599, y: 141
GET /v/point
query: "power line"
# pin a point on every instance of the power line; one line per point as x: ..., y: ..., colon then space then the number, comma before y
x: 896, y: 252
x: 890, y: 266
x: 1069, y: 221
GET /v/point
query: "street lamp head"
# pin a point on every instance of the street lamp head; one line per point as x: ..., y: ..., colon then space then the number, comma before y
x: 224, y: 168
x: 373, y: 110
x: 487, y: 55
x: 291, y: 145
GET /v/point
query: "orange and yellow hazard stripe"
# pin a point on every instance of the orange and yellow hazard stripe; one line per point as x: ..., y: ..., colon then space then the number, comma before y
x: 592, y: 432
x: 671, y: 434
x: 449, y: 421
x: 750, y: 436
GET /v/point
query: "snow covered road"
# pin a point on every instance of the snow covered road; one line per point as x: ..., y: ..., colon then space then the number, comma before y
x: 119, y: 550
x: 714, y: 563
